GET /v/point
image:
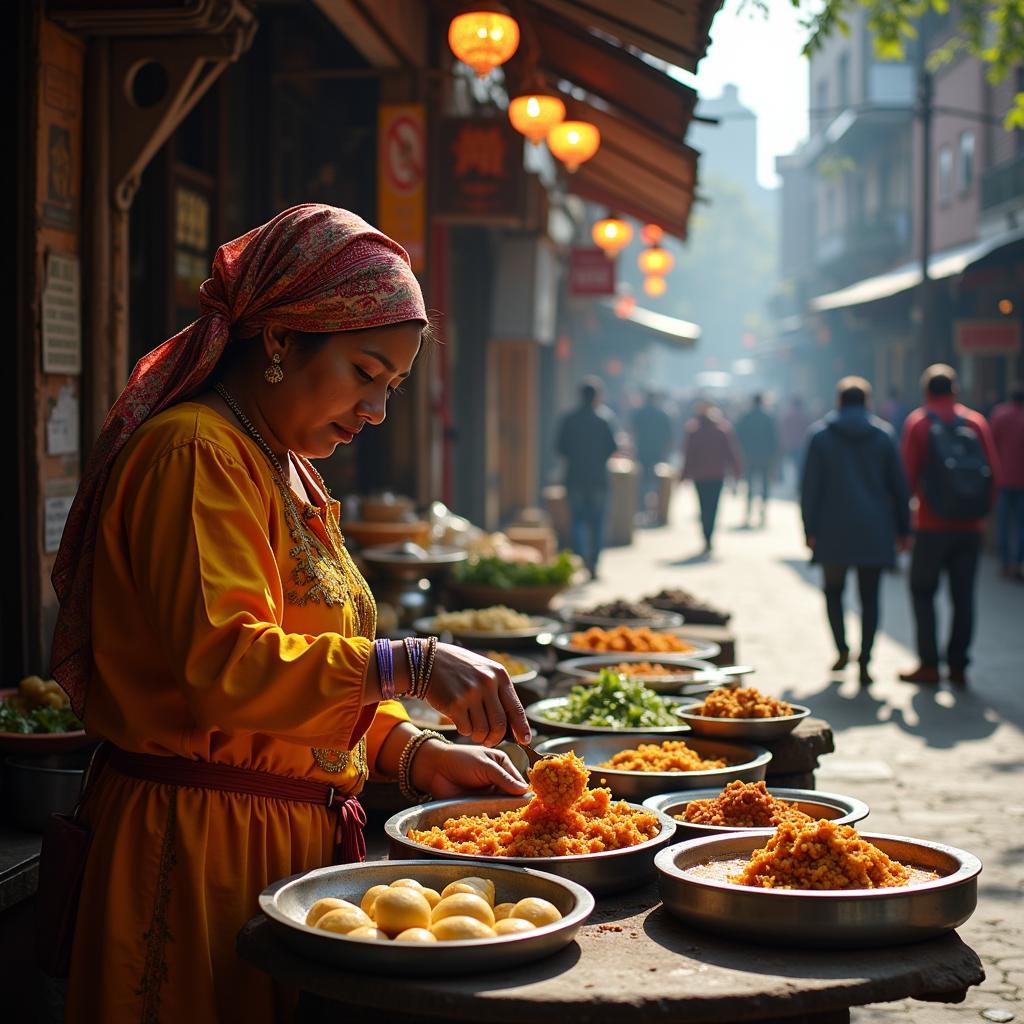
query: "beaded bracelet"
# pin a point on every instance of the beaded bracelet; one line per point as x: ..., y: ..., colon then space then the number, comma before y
x: 385, y: 668
x: 405, y: 760
x: 427, y: 667
x: 414, y: 654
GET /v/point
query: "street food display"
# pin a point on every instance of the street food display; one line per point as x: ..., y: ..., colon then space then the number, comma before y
x: 615, y: 703
x: 496, y: 619
x: 38, y: 706
x: 694, y: 610
x: 621, y: 609
x: 493, y: 571
x: 667, y: 756
x: 742, y: 805
x: 513, y: 666
x: 741, y: 702
x: 591, y: 823
x: 624, y: 638
x: 645, y: 669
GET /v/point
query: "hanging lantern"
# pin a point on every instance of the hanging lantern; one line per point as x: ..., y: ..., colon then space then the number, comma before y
x: 655, y: 286
x: 624, y: 305
x: 656, y: 261
x: 535, y: 115
x: 483, y: 39
x: 574, y: 142
x: 651, y: 234
x: 612, y: 235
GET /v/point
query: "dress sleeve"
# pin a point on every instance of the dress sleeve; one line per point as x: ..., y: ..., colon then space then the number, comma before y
x: 202, y: 559
x: 389, y: 714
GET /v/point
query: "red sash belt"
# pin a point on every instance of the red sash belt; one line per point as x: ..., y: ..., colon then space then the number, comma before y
x: 350, y: 844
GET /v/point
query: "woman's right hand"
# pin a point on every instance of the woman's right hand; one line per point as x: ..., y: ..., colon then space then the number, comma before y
x: 477, y: 695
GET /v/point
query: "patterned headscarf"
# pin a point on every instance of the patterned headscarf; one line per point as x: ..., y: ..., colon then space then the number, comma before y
x: 313, y: 269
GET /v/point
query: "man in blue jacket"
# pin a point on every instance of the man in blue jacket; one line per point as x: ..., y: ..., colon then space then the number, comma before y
x: 856, y: 509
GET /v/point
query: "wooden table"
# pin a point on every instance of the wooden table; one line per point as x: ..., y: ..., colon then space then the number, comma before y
x: 633, y: 963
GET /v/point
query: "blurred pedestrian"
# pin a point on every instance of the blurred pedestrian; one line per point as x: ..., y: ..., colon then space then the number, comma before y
x: 710, y: 453
x: 586, y: 441
x: 952, y: 467
x: 894, y: 411
x: 652, y: 436
x: 793, y: 426
x: 1008, y: 435
x: 856, y: 509
x: 759, y: 442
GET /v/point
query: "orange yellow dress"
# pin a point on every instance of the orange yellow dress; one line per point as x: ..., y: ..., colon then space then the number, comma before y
x: 221, y: 632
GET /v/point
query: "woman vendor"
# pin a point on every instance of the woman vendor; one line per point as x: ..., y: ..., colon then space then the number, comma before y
x: 215, y: 632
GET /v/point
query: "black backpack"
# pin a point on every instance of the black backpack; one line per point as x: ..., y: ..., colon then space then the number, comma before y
x: 957, y: 479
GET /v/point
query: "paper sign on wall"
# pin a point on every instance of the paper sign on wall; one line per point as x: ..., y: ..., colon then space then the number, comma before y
x: 62, y: 315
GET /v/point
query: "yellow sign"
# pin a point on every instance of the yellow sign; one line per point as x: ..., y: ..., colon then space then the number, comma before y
x: 401, y: 177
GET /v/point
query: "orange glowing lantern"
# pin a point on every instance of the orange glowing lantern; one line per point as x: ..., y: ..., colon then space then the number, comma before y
x: 483, y: 39
x: 651, y: 234
x: 612, y: 235
x: 656, y: 261
x: 535, y: 115
x: 655, y: 286
x: 574, y: 142
x: 624, y: 306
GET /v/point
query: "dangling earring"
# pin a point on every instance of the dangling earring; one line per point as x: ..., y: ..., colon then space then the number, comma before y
x: 273, y: 373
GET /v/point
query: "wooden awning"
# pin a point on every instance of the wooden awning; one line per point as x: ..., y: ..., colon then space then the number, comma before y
x: 636, y: 172
x: 672, y: 30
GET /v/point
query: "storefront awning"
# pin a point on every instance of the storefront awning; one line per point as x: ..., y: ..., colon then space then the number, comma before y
x: 669, y: 330
x: 636, y: 172
x: 672, y: 30
x: 947, y: 263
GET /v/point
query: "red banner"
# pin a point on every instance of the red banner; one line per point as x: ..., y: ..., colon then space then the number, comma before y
x: 591, y: 272
x: 987, y: 337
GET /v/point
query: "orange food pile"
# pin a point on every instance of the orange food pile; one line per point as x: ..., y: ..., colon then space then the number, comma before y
x: 820, y: 855
x: 645, y: 668
x: 669, y: 756
x: 743, y: 702
x: 589, y: 825
x: 742, y: 805
x: 623, y: 638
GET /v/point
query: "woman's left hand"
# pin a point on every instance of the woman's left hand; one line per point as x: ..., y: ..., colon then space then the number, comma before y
x: 451, y: 769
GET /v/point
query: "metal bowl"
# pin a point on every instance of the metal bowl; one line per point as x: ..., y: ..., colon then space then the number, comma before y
x: 539, y: 630
x: 746, y: 763
x: 410, y: 561
x: 287, y: 902
x: 843, y: 810
x: 602, y: 873
x: 537, y: 715
x: 707, y: 675
x: 37, y: 786
x: 847, y: 918
x: 758, y: 729
x: 703, y: 650
x: 663, y: 620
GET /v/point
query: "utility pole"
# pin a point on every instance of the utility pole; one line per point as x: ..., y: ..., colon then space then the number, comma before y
x: 923, y: 113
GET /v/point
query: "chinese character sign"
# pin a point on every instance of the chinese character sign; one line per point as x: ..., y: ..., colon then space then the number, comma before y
x: 480, y: 177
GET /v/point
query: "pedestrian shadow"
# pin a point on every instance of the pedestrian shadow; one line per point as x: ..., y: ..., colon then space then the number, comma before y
x: 694, y: 559
x: 946, y: 720
x: 859, y: 708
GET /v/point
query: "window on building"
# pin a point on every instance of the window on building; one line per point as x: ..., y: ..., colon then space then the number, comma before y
x: 844, y: 81
x: 965, y: 175
x: 945, y: 175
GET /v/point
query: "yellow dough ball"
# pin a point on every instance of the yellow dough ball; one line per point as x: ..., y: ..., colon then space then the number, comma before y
x: 343, y: 921
x: 433, y: 897
x: 415, y: 935
x: 511, y: 925
x: 406, y: 883
x: 536, y: 911
x: 370, y: 897
x: 399, y: 909
x: 451, y: 929
x: 368, y: 932
x: 325, y: 905
x: 503, y: 910
x: 463, y: 904
x: 483, y: 886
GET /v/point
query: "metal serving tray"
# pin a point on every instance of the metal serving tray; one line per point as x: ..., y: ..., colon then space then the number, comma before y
x: 602, y: 873
x: 848, y: 918
x: 541, y: 627
x: 287, y: 902
x: 537, y: 715
x: 843, y: 810
x: 663, y: 620
x: 758, y: 729
x: 702, y: 676
x: 746, y: 763
x: 703, y: 650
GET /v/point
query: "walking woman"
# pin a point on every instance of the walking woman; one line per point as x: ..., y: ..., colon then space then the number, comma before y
x: 856, y: 510
x: 215, y: 632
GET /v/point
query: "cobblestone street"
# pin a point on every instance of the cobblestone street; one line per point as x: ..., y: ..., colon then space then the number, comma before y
x: 931, y: 762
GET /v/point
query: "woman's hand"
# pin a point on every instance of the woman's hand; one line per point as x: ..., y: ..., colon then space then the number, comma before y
x: 477, y: 695
x: 449, y: 769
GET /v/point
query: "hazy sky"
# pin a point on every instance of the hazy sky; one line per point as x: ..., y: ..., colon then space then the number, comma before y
x: 761, y: 55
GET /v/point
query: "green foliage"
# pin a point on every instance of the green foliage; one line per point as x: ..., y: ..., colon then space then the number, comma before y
x: 13, y: 718
x: 496, y: 572
x: 614, y: 701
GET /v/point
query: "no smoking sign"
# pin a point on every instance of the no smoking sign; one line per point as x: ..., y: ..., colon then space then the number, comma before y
x: 404, y: 154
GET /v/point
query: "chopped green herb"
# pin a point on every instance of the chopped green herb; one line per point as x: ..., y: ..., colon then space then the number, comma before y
x: 39, y: 719
x: 616, y: 702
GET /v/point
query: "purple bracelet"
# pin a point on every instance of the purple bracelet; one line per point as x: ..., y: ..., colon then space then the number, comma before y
x: 385, y: 668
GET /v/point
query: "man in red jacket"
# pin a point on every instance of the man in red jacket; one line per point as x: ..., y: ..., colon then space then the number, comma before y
x: 951, y: 466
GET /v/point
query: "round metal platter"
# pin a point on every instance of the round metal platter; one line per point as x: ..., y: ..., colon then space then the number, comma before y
x: 537, y: 715
x: 746, y: 763
x: 843, y: 810
x: 587, y: 669
x: 396, y: 555
x: 287, y: 902
x: 540, y: 627
x: 663, y: 620
x: 531, y: 669
x: 602, y: 873
x: 846, y: 918
x: 757, y: 729
x: 702, y: 649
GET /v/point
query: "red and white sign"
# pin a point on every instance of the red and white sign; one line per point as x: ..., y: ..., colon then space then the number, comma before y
x: 401, y: 177
x: 987, y: 337
x: 591, y: 272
